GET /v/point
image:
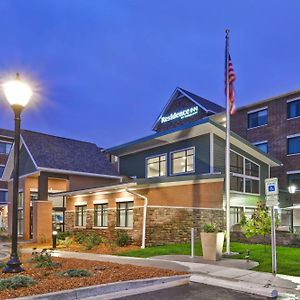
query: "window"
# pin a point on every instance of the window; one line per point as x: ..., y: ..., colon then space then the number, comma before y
x: 80, y: 215
x: 5, y: 147
x: 156, y: 166
x: 125, y: 214
x: 113, y: 159
x: 183, y: 161
x: 235, y: 215
x: 21, y: 213
x: 258, y: 118
x: 293, y: 109
x: 100, y: 215
x: 293, y: 145
x: 263, y: 146
x: 1, y: 170
x: 294, y: 179
x: 244, y: 175
x: 3, y: 196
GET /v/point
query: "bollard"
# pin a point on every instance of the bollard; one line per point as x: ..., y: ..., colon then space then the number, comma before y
x: 192, y: 242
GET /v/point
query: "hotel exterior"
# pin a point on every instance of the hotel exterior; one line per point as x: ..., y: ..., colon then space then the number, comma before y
x: 175, y: 178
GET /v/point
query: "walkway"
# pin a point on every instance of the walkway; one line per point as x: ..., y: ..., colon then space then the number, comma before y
x: 212, y: 273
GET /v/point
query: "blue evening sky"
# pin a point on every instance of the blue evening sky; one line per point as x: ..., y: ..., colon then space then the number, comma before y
x: 103, y: 70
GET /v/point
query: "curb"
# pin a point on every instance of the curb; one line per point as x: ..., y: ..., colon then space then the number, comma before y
x: 106, y: 289
x: 240, y: 286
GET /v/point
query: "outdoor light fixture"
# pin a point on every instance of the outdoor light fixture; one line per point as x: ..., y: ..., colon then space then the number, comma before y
x: 292, y: 189
x: 18, y: 94
x: 54, y: 236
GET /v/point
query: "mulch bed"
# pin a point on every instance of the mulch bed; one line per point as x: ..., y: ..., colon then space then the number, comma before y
x: 102, y: 272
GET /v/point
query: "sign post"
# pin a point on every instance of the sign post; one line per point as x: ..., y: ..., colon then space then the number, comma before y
x: 271, y: 188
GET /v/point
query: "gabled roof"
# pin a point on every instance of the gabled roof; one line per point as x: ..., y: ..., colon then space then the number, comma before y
x: 6, y: 133
x: 206, y: 105
x: 62, y: 155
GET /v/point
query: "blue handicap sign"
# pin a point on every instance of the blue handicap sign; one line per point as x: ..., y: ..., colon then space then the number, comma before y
x: 271, y: 188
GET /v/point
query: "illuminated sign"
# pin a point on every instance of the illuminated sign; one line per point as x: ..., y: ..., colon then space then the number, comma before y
x: 180, y: 115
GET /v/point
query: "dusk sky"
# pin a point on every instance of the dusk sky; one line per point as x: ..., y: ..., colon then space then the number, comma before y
x: 103, y: 70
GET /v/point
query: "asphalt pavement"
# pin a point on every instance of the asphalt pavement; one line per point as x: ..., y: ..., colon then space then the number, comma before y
x: 193, y: 291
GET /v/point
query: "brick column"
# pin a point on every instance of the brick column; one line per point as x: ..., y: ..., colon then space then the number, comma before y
x: 42, y: 221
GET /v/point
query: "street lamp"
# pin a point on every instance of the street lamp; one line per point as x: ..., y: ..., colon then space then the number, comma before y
x: 18, y: 94
x: 292, y: 190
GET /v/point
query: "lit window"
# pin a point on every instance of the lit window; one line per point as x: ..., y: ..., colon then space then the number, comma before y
x: 125, y: 214
x: 21, y: 213
x: 293, y: 109
x: 244, y: 175
x: 156, y: 166
x: 183, y: 161
x: 294, y: 179
x: 100, y: 215
x: 293, y: 145
x: 80, y: 215
x: 258, y: 118
x: 5, y: 147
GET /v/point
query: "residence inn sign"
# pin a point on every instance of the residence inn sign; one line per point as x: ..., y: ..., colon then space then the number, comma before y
x: 180, y: 115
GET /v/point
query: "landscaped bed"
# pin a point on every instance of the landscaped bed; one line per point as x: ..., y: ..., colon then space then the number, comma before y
x: 54, y: 273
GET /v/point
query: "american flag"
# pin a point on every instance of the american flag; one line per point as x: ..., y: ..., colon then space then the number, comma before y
x: 231, y: 78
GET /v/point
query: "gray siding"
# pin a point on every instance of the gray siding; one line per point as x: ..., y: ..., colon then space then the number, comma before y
x: 134, y: 164
x: 26, y: 164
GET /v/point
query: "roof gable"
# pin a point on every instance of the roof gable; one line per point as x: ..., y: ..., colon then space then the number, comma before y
x: 183, y: 107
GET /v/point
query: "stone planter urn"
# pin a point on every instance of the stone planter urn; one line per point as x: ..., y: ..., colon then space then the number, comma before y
x: 212, y: 245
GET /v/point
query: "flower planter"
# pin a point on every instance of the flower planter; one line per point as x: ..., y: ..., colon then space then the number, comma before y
x: 212, y: 245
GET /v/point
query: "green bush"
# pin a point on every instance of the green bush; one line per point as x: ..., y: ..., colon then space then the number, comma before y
x: 43, y: 260
x: 123, y: 238
x: 92, y: 240
x: 211, y: 228
x: 75, y: 273
x: 16, y: 282
x: 61, y: 236
x: 80, y: 237
x: 67, y: 242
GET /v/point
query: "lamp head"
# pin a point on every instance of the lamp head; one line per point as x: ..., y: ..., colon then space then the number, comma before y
x: 17, y: 92
x: 292, y: 189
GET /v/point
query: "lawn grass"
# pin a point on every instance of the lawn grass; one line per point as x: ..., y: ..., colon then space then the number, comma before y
x: 288, y: 259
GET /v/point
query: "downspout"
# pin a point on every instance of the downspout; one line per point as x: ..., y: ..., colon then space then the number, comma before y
x: 145, y: 215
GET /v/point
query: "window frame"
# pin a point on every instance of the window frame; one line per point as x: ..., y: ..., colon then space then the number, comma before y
x: 6, y: 143
x: 244, y: 176
x: 6, y: 192
x: 118, y: 210
x: 82, y: 215
x: 181, y: 150
x: 101, y: 214
x: 287, y: 144
x: 257, y: 111
x: 156, y: 156
x: 288, y: 173
x: 287, y: 108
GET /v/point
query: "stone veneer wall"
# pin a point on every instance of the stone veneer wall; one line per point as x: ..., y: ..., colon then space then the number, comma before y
x: 165, y: 225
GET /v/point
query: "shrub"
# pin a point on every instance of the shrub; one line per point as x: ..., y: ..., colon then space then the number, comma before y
x: 80, y: 237
x: 75, y: 273
x: 211, y: 228
x: 43, y: 259
x: 16, y: 282
x: 61, y: 236
x: 67, y: 242
x: 92, y: 240
x: 123, y: 238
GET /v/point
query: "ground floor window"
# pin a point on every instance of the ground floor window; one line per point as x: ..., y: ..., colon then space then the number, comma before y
x: 80, y: 215
x: 21, y: 213
x: 100, y: 215
x: 125, y: 214
x: 235, y: 215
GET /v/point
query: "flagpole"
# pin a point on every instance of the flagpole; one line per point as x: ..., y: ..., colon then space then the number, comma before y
x: 227, y: 151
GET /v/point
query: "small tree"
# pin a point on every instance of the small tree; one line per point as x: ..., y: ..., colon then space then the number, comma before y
x: 258, y: 224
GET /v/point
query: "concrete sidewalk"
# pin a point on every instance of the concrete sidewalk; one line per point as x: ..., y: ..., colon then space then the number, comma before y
x: 227, y: 275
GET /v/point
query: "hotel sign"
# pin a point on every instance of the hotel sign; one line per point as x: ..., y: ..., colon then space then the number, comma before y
x: 180, y: 115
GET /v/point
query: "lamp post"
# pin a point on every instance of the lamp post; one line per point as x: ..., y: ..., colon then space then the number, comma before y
x: 18, y: 95
x: 292, y: 190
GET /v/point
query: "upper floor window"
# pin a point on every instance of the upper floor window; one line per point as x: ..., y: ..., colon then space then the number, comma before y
x: 183, y: 161
x: 3, y: 196
x: 258, y: 118
x: 4, y: 147
x: 2, y: 167
x: 293, y: 145
x: 80, y: 215
x: 113, y: 159
x: 293, y: 109
x: 263, y: 146
x: 244, y: 174
x: 156, y: 166
x: 125, y: 214
x: 294, y: 179
x: 100, y: 215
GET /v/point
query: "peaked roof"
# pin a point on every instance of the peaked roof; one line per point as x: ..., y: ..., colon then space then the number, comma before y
x: 204, y: 104
x: 58, y: 153
x: 6, y: 133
